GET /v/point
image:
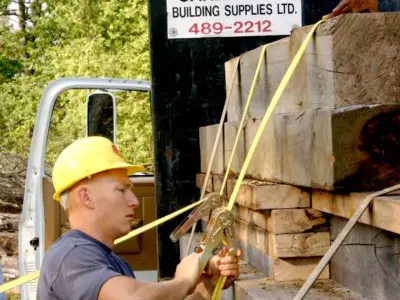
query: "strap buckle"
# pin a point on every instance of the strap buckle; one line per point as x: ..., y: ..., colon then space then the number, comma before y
x: 213, y: 201
x: 219, y: 229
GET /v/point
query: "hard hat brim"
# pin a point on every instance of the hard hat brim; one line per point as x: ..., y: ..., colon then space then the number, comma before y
x: 131, y: 169
x: 134, y: 169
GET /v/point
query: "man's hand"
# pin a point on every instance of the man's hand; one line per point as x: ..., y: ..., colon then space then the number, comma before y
x: 224, y: 265
x: 347, y: 6
x: 189, y: 269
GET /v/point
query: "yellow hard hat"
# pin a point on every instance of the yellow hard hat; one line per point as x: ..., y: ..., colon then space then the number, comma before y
x: 84, y: 158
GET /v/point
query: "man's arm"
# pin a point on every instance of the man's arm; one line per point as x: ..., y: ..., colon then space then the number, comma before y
x: 203, y: 291
x: 125, y: 288
x: 186, y: 278
x: 347, y: 6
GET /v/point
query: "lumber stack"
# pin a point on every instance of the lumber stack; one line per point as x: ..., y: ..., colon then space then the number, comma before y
x: 276, y: 228
x: 336, y: 125
x: 334, y: 135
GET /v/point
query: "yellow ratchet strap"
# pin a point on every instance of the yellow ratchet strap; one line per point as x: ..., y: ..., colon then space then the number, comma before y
x: 275, y: 99
x: 17, y: 282
x: 35, y: 275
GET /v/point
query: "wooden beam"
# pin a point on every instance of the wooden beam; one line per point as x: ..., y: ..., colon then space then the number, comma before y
x: 338, y: 69
x: 285, y: 245
x: 329, y: 148
x: 200, y: 177
x: 368, y: 261
x: 253, y: 217
x: 274, y: 66
x: 282, y: 221
x: 234, y: 109
x: 207, y: 138
x: 247, y: 271
x: 217, y: 184
x: 383, y: 213
x: 298, y: 244
x: 286, y: 269
x: 295, y: 268
x: 230, y: 132
x: 268, y: 289
x: 259, y: 195
x: 254, y: 256
x: 324, y: 147
x: 252, y: 235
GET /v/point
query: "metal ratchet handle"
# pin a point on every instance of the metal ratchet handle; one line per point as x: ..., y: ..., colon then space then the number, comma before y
x: 213, y: 200
x: 185, y: 225
x: 219, y: 225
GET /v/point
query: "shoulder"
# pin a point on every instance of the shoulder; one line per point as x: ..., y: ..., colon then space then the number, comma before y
x: 71, y: 262
x: 71, y: 248
x: 122, y: 266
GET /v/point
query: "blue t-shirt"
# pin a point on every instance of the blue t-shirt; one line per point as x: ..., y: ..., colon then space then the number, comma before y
x: 76, y: 266
x: 388, y: 5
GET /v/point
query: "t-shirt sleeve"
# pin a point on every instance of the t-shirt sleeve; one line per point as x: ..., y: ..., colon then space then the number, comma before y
x: 388, y: 5
x: 82, y: 273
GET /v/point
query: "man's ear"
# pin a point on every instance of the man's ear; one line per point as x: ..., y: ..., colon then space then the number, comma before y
x: 84, y: 197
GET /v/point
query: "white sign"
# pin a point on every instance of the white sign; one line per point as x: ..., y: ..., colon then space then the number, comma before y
x: 231, y: 18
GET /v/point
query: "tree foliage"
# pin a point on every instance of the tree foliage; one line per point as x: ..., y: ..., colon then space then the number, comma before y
x: 71, y: 38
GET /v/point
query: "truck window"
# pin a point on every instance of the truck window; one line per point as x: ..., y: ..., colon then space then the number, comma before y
x: 133, y: 126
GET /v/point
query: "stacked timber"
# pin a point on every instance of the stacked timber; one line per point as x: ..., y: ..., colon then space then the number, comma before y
x: 337, y: 121
x: 278, y: 232
x: 333, y: 138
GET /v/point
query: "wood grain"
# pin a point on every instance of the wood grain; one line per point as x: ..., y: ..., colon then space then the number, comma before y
x: 207, y: 138
x: 353, y: 59
x: 353, y: 148
x: 368, y: 262
x: 259, y: 195
x: 298, y: 244
x: 383, y: 213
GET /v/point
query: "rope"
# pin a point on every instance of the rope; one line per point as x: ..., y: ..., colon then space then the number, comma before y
x: 35, y: 275
x: 244, y: 116
x: 275, y: 99
x: 214, y: 150
x: 282, y: 85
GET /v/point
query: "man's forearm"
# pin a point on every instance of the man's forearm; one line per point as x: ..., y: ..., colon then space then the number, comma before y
x: 167, y: 290
x: 122, y: 287
x: 203, y: 290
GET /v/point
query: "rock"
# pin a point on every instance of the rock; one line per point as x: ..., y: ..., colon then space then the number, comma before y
x: 10, y: 267
x: 12, y: 182
x: 8, y: 243
x: 9, y: 222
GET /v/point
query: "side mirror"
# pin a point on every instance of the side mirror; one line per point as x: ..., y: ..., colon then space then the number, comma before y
x: 101, y: 115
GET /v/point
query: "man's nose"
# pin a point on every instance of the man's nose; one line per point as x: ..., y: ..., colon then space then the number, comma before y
x: 131, y: 199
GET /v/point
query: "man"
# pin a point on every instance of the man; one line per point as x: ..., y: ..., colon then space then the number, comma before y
x: 347, y: 6
x: 92, y: 184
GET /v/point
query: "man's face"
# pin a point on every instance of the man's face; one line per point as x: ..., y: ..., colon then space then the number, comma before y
x: 114, y: 202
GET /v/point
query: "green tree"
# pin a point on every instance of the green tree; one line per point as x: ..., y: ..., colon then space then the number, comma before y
x: 70, y: 38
